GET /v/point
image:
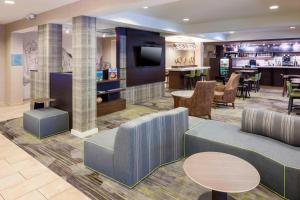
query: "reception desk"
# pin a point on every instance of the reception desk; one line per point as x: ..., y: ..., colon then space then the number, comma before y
x: 176, y: 75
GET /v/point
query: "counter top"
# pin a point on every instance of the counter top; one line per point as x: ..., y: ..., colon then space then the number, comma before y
x: 184, y: 69
x: 275, y: 67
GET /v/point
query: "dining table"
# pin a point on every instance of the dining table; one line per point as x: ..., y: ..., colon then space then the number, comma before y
x: 295, y: 80
x: 246, y: 73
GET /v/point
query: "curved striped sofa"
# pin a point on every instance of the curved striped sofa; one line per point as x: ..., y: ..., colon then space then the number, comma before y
x: 131, y: 152
x: 278, y: 163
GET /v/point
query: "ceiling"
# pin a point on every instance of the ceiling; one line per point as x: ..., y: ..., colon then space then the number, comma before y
x: 22, y: 8
x: 248, y: 19
x: 207, y: 10
x: 217, y: 20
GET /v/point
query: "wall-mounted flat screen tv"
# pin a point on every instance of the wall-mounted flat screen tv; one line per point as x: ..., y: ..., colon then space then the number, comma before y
x: 149, y: 56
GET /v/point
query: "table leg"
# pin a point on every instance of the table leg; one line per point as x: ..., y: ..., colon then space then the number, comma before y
x: 284, y: 88
x: 219, y: 195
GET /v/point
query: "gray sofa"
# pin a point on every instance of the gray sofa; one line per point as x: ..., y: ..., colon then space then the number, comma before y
x: 278, y: 163
x: 46, y: 122
x: 131, y: 152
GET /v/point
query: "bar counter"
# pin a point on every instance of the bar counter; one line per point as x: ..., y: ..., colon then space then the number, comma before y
x: 271, y: 75
x: 176, y: 75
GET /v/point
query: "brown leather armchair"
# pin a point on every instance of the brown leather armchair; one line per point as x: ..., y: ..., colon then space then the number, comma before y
x: 200, y: 103
x: 227, y: 94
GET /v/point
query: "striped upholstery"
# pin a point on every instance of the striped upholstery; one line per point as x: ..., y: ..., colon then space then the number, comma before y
x: 140, y: 146
x: 271, y: 124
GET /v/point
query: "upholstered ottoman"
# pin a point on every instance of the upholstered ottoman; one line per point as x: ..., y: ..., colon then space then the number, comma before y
x: 46, y: 122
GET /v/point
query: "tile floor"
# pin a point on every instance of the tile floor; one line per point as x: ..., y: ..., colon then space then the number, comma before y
x: 12, y: 112
x: 24, y: 178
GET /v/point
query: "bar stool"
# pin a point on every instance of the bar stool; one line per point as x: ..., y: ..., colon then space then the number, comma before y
x: 167, y: 79
x: 189, y: 80
x: 200, y: 76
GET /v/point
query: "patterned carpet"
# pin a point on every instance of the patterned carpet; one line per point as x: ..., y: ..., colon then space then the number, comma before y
x: 63, y: 153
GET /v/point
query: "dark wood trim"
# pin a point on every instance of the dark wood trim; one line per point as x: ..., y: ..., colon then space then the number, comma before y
x: 105, y: 108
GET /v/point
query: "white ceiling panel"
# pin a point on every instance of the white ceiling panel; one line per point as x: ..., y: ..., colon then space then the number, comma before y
x: 21, y: 8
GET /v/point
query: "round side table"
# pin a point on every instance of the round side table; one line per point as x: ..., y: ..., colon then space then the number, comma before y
x: 222, y: 173
x: 179, y: 94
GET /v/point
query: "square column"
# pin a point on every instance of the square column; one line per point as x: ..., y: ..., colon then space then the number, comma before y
x: 49, y: 57
x: 84, y: 76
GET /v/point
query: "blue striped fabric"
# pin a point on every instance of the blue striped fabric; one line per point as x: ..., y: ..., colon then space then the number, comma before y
x: 146, y: 143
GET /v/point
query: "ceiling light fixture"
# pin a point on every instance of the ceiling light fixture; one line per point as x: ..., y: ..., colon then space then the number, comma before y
x: 10, y: 2
x: 146, y: 7
x: 274, y: 7
x: 292, y: 27
x: 31, y: 16
x: 186, y: 19
x: 67, y: 31
x: 231, y: 32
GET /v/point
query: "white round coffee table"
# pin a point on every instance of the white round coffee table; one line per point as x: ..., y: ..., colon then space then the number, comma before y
x: 179, y: 94
x: 222, y: 173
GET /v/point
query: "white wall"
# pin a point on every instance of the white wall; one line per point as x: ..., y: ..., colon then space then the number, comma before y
x: 2, y: 65
x: 106, y: 48
x: 30, y: 61
x: 16, y: 72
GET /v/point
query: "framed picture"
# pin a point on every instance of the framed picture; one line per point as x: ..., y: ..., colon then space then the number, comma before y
x: 16, y: 59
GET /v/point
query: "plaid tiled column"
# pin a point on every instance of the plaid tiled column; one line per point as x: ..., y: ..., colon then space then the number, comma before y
x: 123, y: 61
x: 33, y: 85
x: 122, y: 58
x: 49, y: 57
x: 84, y: 76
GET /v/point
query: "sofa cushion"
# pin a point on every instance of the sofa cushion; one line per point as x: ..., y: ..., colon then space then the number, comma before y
x: 99, y: 151
x: 105, y: 138
x: 194, y: 121
x: 275, y: 125
x: 232, y: 135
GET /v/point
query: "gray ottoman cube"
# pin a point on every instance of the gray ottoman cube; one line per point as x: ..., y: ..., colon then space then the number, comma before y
x: 46, y: 122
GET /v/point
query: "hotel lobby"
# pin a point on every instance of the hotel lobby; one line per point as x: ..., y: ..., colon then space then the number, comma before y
x: 149, y: 100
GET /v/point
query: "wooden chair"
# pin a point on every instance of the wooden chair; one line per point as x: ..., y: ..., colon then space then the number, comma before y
x: 293, y: 94
x: 227, y: 94
x: 189, y: 80
x: 200, y: 103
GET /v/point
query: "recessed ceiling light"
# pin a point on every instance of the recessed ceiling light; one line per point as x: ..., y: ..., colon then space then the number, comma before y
x: 186, y: 19
x: 11, y: 2
x: 146, y: 7
x: 67, y: 31
x: 231, y: 32
x: 274, y: 7
x: 292, y: 27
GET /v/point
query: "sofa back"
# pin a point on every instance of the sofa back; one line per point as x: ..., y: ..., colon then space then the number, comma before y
x: 271, y: 124
x: 144, y: 144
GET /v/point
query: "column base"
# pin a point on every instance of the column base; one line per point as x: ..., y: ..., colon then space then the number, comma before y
x: 85, y: 133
